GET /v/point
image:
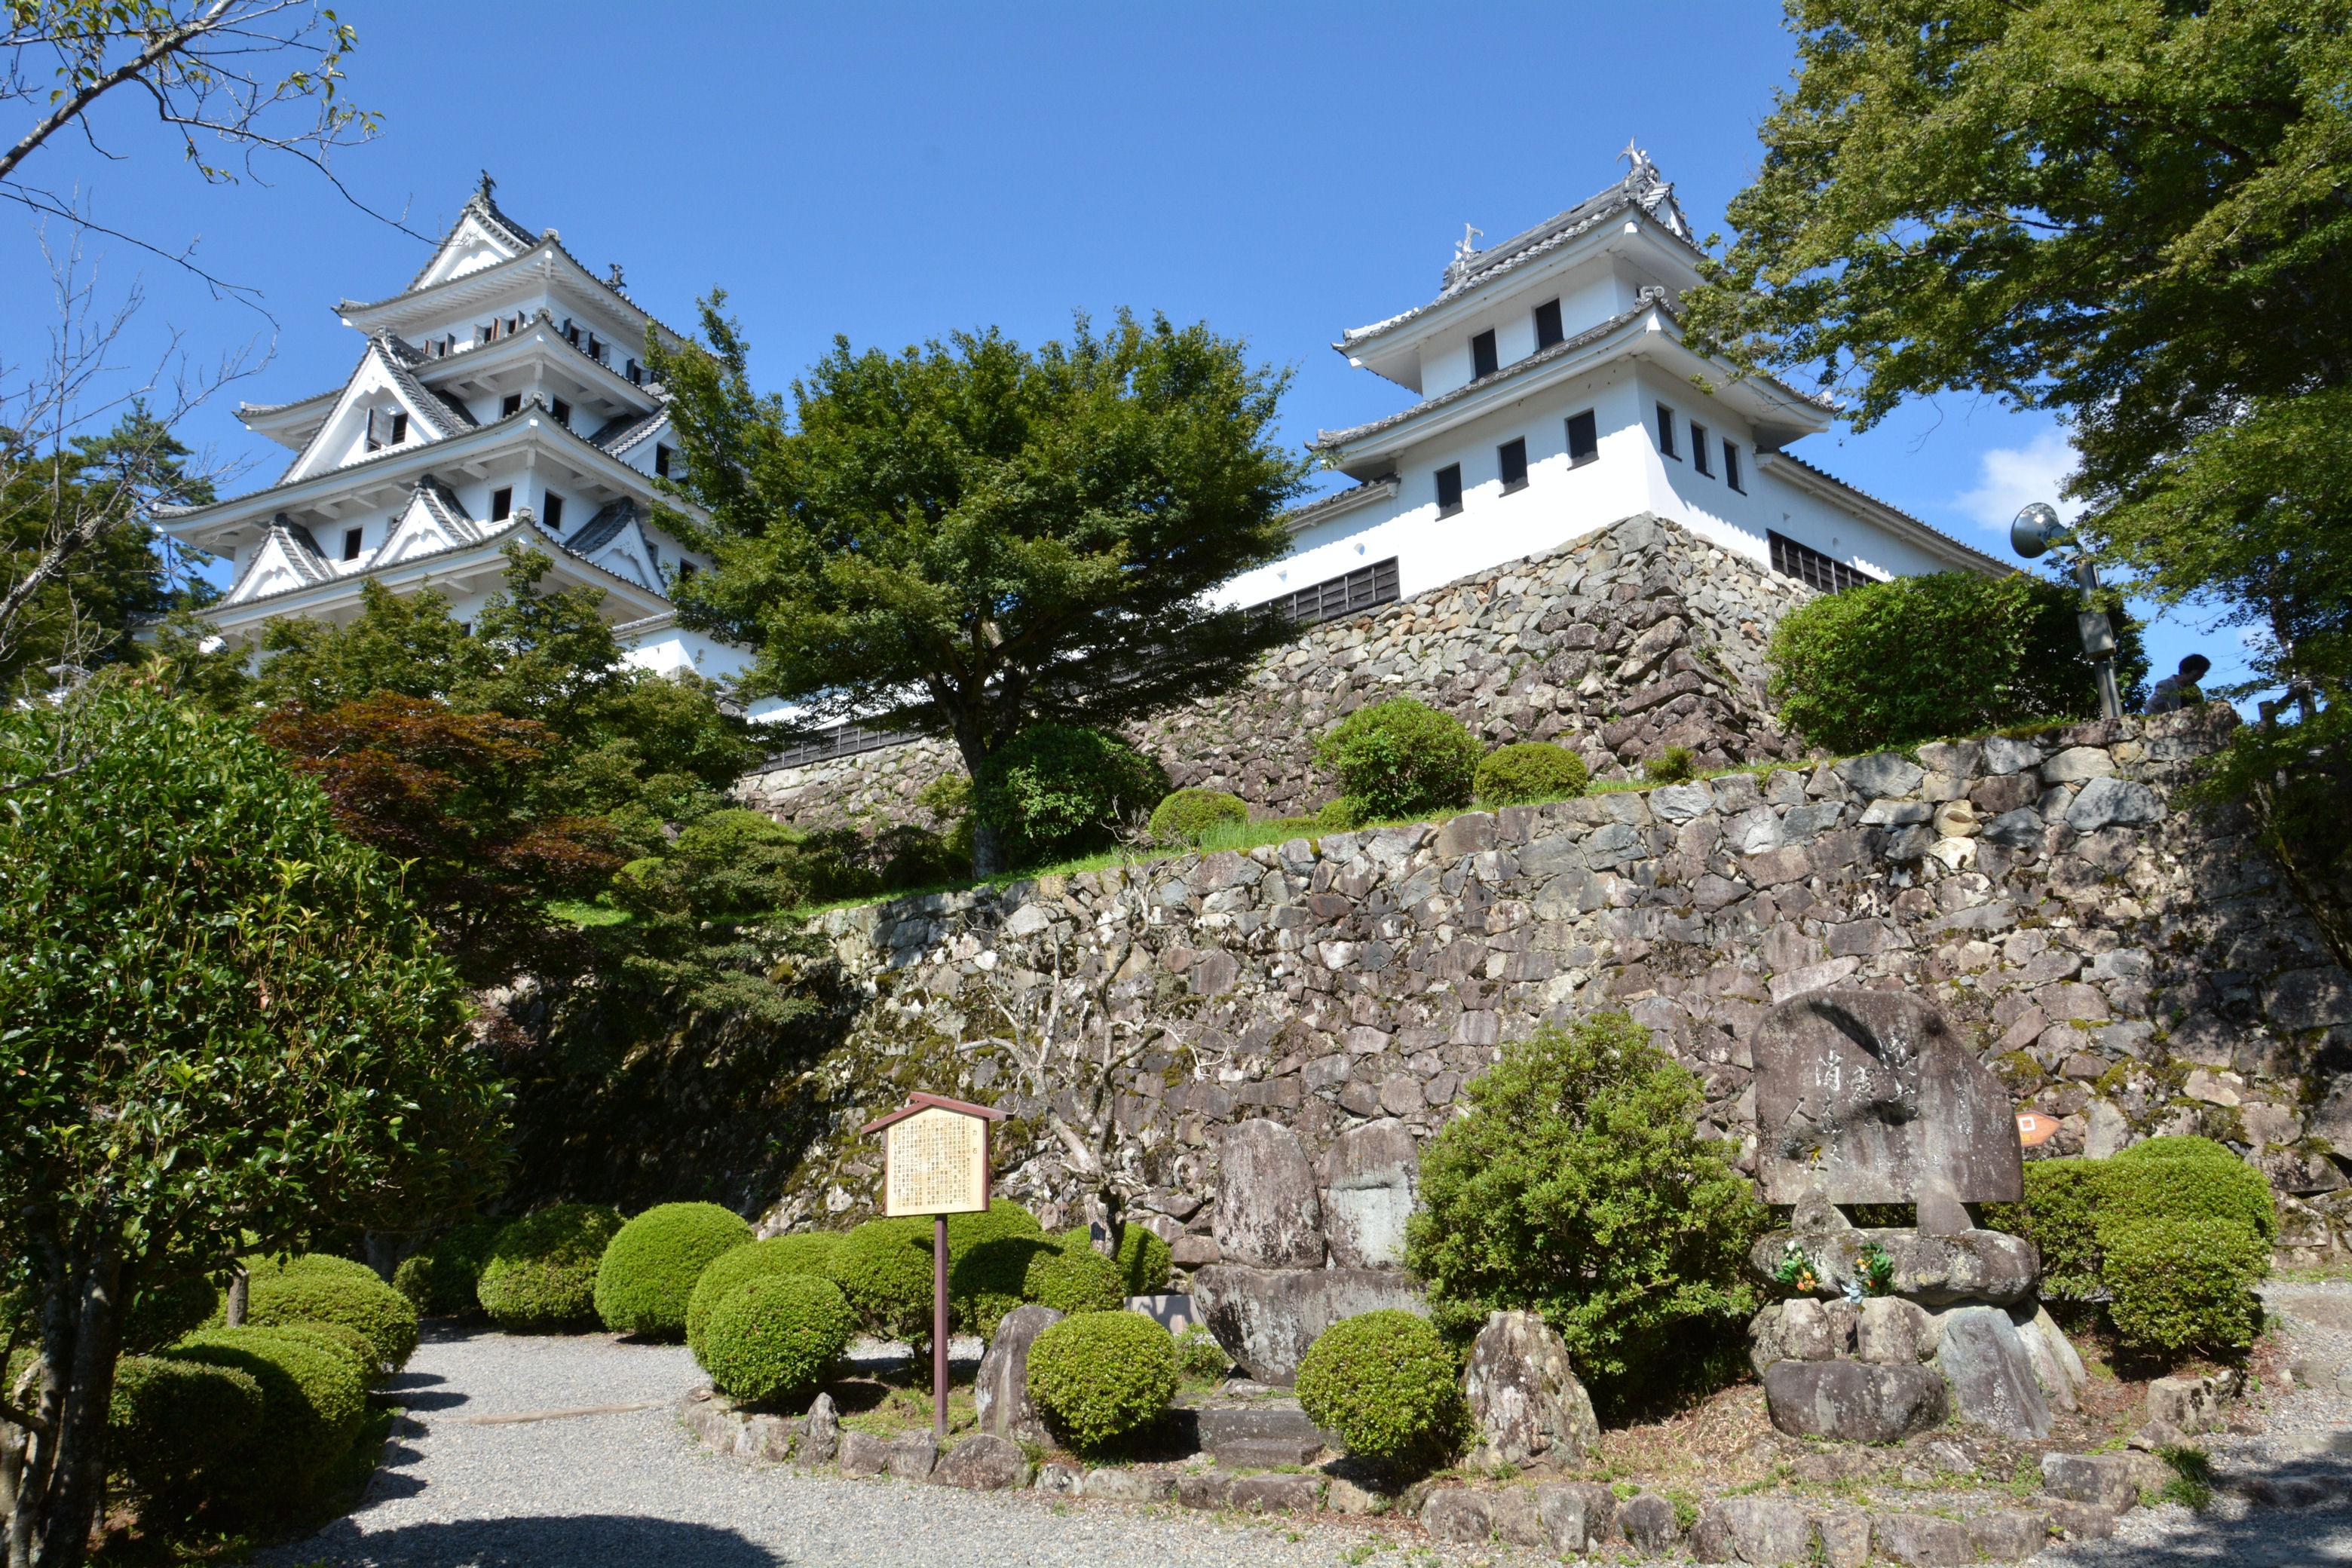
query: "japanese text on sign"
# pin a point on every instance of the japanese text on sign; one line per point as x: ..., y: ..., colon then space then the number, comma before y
x: 936, y: 1163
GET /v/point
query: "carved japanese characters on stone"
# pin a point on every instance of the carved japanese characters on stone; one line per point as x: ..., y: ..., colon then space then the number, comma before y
x: 1872, y: 1097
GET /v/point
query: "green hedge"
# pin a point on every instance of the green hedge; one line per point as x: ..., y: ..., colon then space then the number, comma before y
x: 1184, y: 814
x: 1950, y: 653
x: 1070, y: 1276
x: 1145, y: 1261
x: 314, y: 1402
x: 1099, y: 1377
x: 1387, y: 1383
x: 884, y: 1268
x: 775, y: 1335
x: 1530, y: 770
x: 315, y: 1288
x: 163, y: 1312
x: 1055, y: 791
x: 988, y: 1262
x: 441, y: 1281
x: 541, y: 1272
x: 2183, y: 1285
x: 809, y: 1252
x: 2190, y: 1179
x: 179, y: 1431
x: 1400, y: 758
x: 650, y: 1268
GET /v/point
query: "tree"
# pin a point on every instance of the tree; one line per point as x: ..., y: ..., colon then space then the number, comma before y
x: 2137, y: 215
x: 968, y: 538
x: 222, y: 1027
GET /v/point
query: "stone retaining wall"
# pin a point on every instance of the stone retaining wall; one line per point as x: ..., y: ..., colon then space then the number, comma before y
x: 2129, y: 967
x: 1633, y: 639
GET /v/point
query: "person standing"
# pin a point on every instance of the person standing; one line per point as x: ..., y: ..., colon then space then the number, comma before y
x: 2180, y: 689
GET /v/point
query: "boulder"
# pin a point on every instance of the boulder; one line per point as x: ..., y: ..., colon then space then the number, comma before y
x: 1922, y: 1540
x: 1760, y: 1530
x: 1935, y: 1270
x: 1845, y: 1537
x: 864, y: 1454
x: 1649, y: 1522
x: 2108, y: 1481
x: 1868, y: 1095
x: 2008, y: 1534
x: 1991, y: 1378
x: 1514, y: 1516
x: 1274, y: 1494
x: 1370, y: 1176
x: 1578, y: 1516
x: 1892, y: 1331
x: 1457, y: 1513
x: 2082, y: 1520
x: 820, y: 1435
x: 1204, y: 1488
x: 1135, y: 1483
x: 985, y: 1463
x: 1853, y: 1401
x: 2189, y: 1404
x: 1526, y: 1402
x: 1061, y: 1480
x: 2056, y: 1365
x: 1268, y: 1213
x: 1267, y: 1318
x: 1001, y: 1392
x: 913, y: 1457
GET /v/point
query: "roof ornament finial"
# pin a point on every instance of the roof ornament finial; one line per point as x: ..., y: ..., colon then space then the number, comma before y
x: 486, y: 186
x: 613, y: 277
x: 1466, y: 247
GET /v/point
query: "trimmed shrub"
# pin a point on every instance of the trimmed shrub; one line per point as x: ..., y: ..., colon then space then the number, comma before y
x: 1070, y: 1276
x: 988, y: 1259
x: 1097, y: 1377
x: 2190, y: 1179
x: 1387, y: 1383
x: 775, y: 1335
x: 162, y: 1313
x: 647, y: 1273
x: 1530, y: 770
x: 440, y: 1281
x: 337, y: 1339
x: 1344, y: 814
x: 2181, y: 1285
x: 2060, y: 1217
x: 178, y: 1426
x: 810, y: 1253
x: 884, y: 1268
x: 541, y: 1272
x: 315, y: 1288
x: 1577, y: 1186
x: 314, y: 1402
x: 1401, y: 758
x: 1183, y: 816
x: 1055, y: 791
x: 1144, y: 1261
x: 1199, y: 1356
x: 1951, y: 653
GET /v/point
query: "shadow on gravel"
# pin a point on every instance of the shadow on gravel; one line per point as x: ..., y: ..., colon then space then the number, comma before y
x: 609, y: 1540
x: 419, y: 1390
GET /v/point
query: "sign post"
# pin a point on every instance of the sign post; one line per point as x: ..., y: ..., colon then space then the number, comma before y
x: 935, y: 1162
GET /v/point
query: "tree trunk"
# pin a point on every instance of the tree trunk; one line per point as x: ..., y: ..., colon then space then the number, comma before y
x: 987, y: 848
x: 383, y: 1253
x: 62, y: 1482
x: 239, y: 1293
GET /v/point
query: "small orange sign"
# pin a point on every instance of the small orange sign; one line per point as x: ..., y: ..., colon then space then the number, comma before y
x: 2035, y: 1130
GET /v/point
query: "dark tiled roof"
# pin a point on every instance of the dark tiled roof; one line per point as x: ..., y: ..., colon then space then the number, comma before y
x: 483, y: 207
x: 302, y: 551
x: 447, y: 509
x: 600, y: 530
x: 1823, y: 474
x: 1328, y: 441
x: 619, y: 434
x: 1338, y: 500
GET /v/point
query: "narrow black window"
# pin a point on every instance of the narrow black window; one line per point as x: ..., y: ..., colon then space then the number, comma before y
x: 351, y: 543
x: 637, y: 373
x: 570, y: 333
x: 501, y: 504
x: 1583, y: 439
x: 1698, y: 449
x: 1732, y: 468
x: 685, y: 569
x: 1666, y: 431
x: 399, y: 428
x: 595, y: 349
x: 653, y: 553
x: 562, y: 412
x: 1449, y: 489
x: 371, y: 441
x: 553, y: 516
x: 511, y: 404
x: 1548, y: 331
x: 1511, y: 457
x: 661, y: 461
x: 1483, y: 359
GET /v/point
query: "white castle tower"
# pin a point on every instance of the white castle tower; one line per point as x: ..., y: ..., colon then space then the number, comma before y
x: 500, y: 400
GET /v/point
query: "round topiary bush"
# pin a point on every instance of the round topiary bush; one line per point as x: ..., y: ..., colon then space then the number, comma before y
x: 647, y: 1273
x: 1184, y: 814
x: 315, y: 1288
x: 2060, y: 1217
x: 176, y: 1425
x: 775, y: 1335
x: 1530, y: 770
x: 541, y: 1272
x: 1401, y: 758
x: 164, y: 1310
x: 1070, y: 1276
x: 809, y: 1252
x: 2181, y: 1285
x: 884, y: 1267
x: 988, y: 1259
x: 441, y: 1280
x: 335, y: 1338
x: 1099, y: 1376
x: 1055, y: 791
x: 1144, y: 1261
x: 313, y: 1402
x: 2191, y: 1179
x: 1386, y: 1383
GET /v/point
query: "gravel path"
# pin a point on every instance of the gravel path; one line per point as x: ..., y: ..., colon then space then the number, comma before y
x: 629, y: 1488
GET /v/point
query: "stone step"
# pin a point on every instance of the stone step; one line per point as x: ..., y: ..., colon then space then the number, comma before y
x: 1223, y: 1424
x: 1266, y: 1453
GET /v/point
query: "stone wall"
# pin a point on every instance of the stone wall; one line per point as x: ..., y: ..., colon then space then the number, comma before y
x: 2130, y: 968
x: 1635, y: 638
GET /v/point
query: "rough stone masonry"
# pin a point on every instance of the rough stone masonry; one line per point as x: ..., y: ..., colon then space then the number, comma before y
x: 2127, y: 966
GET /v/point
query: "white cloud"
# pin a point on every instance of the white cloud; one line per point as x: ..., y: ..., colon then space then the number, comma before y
x: 2010, y: 476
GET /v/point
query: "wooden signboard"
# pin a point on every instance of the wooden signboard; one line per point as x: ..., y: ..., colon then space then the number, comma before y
x: 935, y: 1162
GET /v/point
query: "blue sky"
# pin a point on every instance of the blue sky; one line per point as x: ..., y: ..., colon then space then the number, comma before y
x: 891, y: 173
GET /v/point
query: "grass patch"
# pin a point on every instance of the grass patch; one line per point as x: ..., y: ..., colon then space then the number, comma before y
x: 2191, y: 1485
x: 580, y: 912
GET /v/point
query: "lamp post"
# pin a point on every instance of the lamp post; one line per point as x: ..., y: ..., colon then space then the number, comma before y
x: 2033, y: 533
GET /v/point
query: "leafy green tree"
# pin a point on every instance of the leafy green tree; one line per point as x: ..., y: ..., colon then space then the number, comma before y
x: 221, y: 1027
x: 971, y: 538
x: 2133, y: 215
x: 1578, y: 1186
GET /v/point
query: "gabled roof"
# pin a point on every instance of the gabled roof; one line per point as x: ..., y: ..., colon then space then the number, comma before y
x: 619, y: 434
x: 478, y: 206
x: 548, y: 240
x: 443, y: 417
x: 433, y: 513
x: 289, y: 544
x: 1642, y: 190
x: 599, y: 530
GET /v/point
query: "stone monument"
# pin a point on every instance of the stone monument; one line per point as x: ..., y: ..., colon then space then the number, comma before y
x: 1872, y: 1097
